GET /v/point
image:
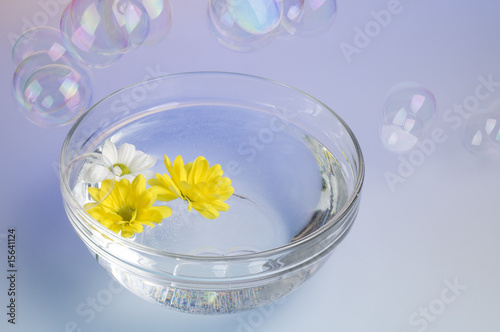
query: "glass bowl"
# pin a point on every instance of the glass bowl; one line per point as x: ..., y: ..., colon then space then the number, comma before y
x: 296, y: 169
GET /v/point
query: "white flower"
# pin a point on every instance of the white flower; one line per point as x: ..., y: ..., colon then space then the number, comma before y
x: 126, y: 163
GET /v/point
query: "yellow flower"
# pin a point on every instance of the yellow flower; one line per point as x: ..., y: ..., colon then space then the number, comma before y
x: 203, y: 187
x: 127, y: 207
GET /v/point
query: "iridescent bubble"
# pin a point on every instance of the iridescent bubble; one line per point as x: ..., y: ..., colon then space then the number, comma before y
x: 256, y: 16
x: 481, y: 131
x: 408, y: 113
x: 292, y: 12
x: 492, y: 126
x: 397, y: 139
x: 475, y: 132
x: 135, y: 18
x: 316, y: 17
x: 55, y: 95
x: 98, y: 32
x: 38, y: 39
x: 231, y: 34
x: 160, y: 19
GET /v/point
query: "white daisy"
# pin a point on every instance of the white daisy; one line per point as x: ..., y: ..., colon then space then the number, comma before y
x: 126, y: 163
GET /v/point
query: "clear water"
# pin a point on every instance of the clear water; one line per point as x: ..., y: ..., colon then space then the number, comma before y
x: 286, y: 183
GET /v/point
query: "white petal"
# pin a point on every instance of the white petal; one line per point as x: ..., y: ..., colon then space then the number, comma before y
x: 109, y: 151
x: 98, y: 173
x: 148, y: 174
x: 129, y: 177
x: 126, y: 154
x: 141, y: 161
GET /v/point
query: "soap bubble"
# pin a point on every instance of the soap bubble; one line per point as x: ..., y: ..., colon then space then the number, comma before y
x: 475, y: 132
x: 492, y: 127
x: 135, y: 18
x: 36, y: 48
x: 317, y: 17
x: 160, y: 19
x: 256, y: 16
x: 50, y: 113
x: 42, y: 57
x: 230, y: 34
x: 396, y: 139
x: 481, y: 131
x: 98, y: 32
x: 39, y: 39
x: 55, y: 95
x: 292, y: 12
x: 408, y: 113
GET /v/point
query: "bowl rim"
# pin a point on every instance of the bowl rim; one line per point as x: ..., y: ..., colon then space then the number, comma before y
x: 116, y: 238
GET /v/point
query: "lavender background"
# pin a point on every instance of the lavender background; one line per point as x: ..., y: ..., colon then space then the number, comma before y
x: 439, y: 227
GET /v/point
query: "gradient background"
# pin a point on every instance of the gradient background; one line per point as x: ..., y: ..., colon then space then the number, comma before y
x: 441, y: 224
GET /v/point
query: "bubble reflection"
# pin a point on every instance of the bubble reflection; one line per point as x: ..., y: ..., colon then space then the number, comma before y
x: 38, y: 39
x: 481, y: 131
x: 98, y: 32
x: 230, y: 34
x: 292, y: 12
x: 45, y: 65
x: 160, y: 19
x: 256, y: 16
x: 55, y: 95
x: 408, y: 113
x: 316, y: 17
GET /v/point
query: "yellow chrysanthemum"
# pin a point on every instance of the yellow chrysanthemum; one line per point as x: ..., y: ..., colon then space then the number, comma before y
x: 127, y: 207
x: 203, y: 187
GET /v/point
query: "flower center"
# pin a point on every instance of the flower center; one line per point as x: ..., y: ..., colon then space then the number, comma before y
x: 127, y: 213
x: 120, y: 169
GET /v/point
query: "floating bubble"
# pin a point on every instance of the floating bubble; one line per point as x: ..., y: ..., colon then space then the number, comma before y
x: 481, y: 131
x: 160, y: 19
x: 292, y: 12
x: 230, y: 34
x: 135, y: 18
x: 28, y: 66
x: 317, y: 17
x: 396, y: 139
x: 98, y: 32
x: 408, y: 113
x: 55, y: 95
x: 492, y: 126
x: 256, y: 16
x: 39, y: 39
x: 475, y: 132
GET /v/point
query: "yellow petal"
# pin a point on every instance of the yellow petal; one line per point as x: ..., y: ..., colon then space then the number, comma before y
x: 179, y: 172
x: 196, y: 172
x: 164, y: 194
x: 220, y: 206
x: 206, y: 210
x: 164, y: 210
x: 138, y: 184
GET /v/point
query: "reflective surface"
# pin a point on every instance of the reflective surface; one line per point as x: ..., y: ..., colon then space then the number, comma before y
x: 277, y: 239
